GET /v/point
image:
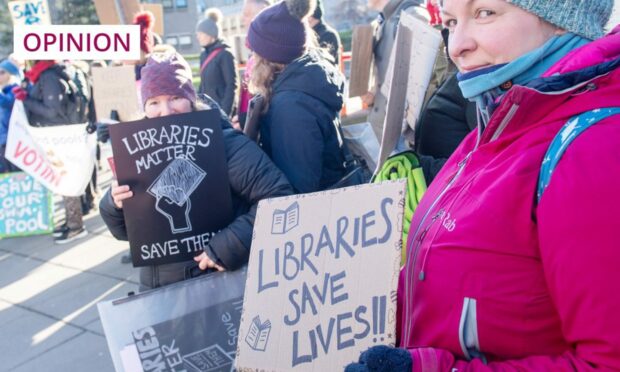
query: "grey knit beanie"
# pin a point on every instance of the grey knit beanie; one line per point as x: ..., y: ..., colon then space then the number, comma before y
x: 586, y: 18
x: 211, y: 24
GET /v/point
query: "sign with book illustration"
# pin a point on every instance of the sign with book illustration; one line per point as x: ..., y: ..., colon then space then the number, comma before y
x: 60, y: 157
x: 29, y: 12
x: 25, y: 206
x: 198, y: 334
x: 322, y: 278
x: 176, y: 167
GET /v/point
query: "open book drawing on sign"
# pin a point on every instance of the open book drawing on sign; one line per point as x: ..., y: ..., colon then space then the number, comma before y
x: 172, y: 190
x: 258, y: 334
x: 285, y: 220
x: 211, y: 359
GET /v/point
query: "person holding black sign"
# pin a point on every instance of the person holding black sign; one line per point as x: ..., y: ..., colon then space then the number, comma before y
x: 167, y: 90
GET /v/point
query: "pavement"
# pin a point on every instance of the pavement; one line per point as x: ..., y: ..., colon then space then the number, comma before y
x: 49, y: 295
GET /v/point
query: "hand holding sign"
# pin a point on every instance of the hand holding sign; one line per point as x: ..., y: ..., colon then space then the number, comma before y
x: 205, y: 262
x: 120, y: 193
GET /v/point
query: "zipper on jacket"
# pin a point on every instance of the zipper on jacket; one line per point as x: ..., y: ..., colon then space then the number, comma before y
x: 500, y: 129
x: 409, y: 286
x: 417, y: 242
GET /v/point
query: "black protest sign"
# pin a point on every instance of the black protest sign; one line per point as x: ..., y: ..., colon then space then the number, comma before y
x: 176, y: 167
x: 205, y: 340
x: 198, y: 334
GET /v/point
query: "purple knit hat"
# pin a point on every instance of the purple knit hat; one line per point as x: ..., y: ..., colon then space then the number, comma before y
x: 277, y: 35
x: 167, y: 74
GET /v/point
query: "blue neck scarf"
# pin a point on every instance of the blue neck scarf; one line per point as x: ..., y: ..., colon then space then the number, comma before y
x: 484, y: 86
x: 523, y: 69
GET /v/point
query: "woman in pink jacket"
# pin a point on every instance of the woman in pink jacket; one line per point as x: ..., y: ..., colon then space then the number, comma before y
x: 503, y: 274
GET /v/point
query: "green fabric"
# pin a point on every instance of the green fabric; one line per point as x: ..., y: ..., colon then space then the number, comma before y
x: 405, y: 166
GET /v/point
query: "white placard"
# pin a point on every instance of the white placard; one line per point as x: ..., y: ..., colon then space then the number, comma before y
x: 61, y: 157
x: 33, y: 12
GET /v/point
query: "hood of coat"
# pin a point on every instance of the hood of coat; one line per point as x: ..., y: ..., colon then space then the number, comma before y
x: 315, y: 76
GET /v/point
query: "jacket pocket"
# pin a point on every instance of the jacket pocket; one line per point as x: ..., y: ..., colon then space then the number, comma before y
x: 468, y: 330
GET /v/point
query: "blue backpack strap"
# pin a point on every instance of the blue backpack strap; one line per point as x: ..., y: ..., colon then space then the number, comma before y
x: 573, y: 128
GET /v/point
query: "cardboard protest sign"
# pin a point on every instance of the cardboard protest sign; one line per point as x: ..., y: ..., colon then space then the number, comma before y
x: 322, y: 278
x: 30, y: 12
x: 199, y: 333
x: 116, y: 12
x: 408, y: 76
x: 114, y: 88
x: 25, y: 206
x: 361, y: 60
x: 61, y: 157
x: 176, y: 167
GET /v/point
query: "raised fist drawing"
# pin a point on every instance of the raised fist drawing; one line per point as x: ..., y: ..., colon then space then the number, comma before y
x: 172, y: 190
x: 177, y: 214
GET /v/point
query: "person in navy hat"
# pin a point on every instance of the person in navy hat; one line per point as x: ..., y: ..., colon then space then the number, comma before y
x: 303, y: 95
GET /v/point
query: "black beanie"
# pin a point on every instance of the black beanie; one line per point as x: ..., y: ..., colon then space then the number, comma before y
x: 318, y: 11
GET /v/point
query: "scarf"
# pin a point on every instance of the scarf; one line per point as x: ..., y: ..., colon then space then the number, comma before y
x: 35, y: 72
x: 487, y: 86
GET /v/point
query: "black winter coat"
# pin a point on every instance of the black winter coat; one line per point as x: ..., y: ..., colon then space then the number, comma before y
x: 48, y: 99
x: 252, y: 177
x: 299, y: 130
x: 445, y: 120
x: 218, y: 79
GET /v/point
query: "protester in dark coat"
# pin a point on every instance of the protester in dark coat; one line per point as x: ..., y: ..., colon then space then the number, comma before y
x: 218, y: 74
x: 328, y: 37
x: 304, y: 94
x: 251, y: 174
x: 49, y: 102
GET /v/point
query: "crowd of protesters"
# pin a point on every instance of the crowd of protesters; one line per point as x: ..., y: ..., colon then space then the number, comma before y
x: 530, y: 250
